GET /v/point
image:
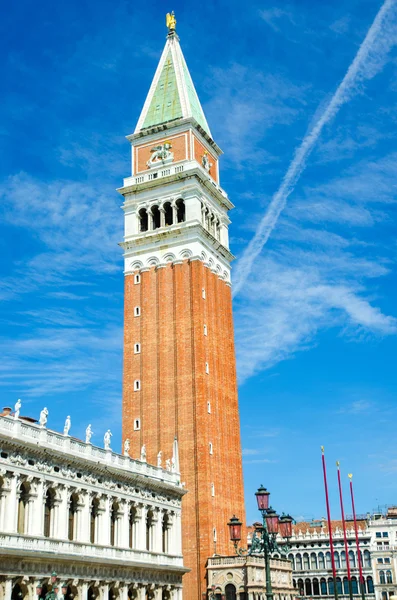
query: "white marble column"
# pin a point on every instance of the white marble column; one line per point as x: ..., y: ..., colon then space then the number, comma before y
x: 158, y: 593
x: 63, y: 513
x: 6, y: 589
x: 141, y: 527
x: 82, y: 590
x: 123, y: 592
x: 83, y: 517
x: 11, y: 510
x: 142, y: 593
x: 174, y: 212
x: 37, y: 510
x: 162, y: 216
x: 104, y: 591
x: 178, y: 534
x: 124, y: 525
x: 170, y: 546
x: 103, y: 525
x: 4, y: 493
x: 157, y: 538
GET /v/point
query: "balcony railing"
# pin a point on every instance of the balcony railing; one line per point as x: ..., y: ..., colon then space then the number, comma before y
x: 166, y: 171
x: 28, y: 544
x: 32, y: 433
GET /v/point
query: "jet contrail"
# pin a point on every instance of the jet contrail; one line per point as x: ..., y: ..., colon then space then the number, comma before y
x: 365, y: 65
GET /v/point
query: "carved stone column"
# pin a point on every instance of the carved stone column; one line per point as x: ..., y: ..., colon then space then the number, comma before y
x: 174, y: 212
x: 103, y: 521
x: 123, y: 592
x: 141, y: 527
x: 63, y: 512
x: 83, y: 514
x: 104, y: 591
x: 178, y: 534
x: 142, y: 593
x: 158, y: 593
x: 157, y: 531
x: 4, y: 494
x: 162, y: 216
x: 123, y: 525
x: 82, y: 590
x: 11, y: 510
x: 6, y: 589
x: 150, y: 225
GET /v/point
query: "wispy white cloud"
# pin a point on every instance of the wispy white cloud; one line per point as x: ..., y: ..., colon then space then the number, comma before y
x: 77, y: 228
x: 358, y: 407
x: 298, y: 293
x: 250, y: 451
x: 275, y: 17
x: 254, y: 102
x: 341, y: 25
x: 368, y: 61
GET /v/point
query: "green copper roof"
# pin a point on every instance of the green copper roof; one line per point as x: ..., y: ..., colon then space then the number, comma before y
x: 195, y: 106
x: 172, y: 94
x: 165, y: 104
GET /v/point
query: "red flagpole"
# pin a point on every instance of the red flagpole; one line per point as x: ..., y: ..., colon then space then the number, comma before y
x: 360, y: 567
x: 342, y: 510
x: 331, y: 543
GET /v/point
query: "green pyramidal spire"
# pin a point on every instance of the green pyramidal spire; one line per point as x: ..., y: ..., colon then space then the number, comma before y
x: 172, y: 94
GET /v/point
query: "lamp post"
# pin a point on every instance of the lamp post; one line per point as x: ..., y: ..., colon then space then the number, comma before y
x: 264, y: 537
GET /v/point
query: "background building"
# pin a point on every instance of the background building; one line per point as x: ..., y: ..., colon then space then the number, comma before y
x: 179, y: 357
x: 108, y: 525
x: 383, y: 531
x: 311, y: 559
x: 244, y: 577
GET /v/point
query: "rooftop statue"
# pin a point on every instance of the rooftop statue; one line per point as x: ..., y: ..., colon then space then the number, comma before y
x: 43, y: 417
x: 17, y: 409
x: 170, y: 21
x: 88, y: 434
x: 67, y: 426
x: 127, y: 448
x: 106, y: 439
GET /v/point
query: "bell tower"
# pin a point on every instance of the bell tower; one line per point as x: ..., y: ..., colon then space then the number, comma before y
x: 179, y: 375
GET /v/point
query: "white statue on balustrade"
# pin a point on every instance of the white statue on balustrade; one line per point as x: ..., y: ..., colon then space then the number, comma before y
x: 168, y: 464
x: 106, y: 439
x: 43, y: 417
x: 17, y: 409
x: 127, y: 448
x: 159, y: 455
x: 67, y: 426
x: 143, y: 453
x: 88, y: 434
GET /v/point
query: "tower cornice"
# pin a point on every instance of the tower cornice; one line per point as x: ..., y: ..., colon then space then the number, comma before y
x: 174, y: 124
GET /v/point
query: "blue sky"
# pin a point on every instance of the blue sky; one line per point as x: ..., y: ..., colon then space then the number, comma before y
x: 316, y: 320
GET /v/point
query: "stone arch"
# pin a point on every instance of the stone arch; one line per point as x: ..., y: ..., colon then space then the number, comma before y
x: 153, y: 261
x: 136, y: 265
x: 169, y: 257
x: 186, y: 253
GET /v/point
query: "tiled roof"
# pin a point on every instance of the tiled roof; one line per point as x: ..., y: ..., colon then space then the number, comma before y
x: 312, y: 527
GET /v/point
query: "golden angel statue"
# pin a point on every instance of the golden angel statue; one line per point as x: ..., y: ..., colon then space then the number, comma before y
x: 170, y: 21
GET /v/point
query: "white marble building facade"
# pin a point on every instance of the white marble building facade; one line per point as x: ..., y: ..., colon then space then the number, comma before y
x: 110, y: 526
x: 311, y: 560
x: 383, y: 531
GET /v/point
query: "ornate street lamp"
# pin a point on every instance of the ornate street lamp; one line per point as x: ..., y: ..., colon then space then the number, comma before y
x: 264, y: 537
x: 235, y: 531
x: 262, y: 498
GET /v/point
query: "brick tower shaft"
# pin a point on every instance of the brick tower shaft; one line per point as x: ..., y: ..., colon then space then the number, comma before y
x: 179, y: 360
